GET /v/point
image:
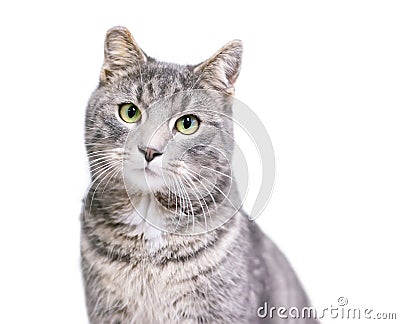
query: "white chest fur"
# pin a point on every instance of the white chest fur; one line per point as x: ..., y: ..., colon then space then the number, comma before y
x: 146, y: 219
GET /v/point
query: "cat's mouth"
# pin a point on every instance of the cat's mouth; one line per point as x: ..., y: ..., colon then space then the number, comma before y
x: 149, y: 172
x: 145, y: 178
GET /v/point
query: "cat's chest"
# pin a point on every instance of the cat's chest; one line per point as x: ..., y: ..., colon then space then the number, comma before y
x: 148, y: 291
x: 143, y: 221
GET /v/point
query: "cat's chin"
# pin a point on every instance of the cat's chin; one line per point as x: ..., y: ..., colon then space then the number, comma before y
x: 145, y: 181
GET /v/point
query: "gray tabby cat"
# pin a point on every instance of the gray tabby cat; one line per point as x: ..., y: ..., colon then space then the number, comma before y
x: 163, y: 242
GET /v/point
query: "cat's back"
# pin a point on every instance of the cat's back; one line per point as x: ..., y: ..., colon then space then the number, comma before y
x: 273, y: 279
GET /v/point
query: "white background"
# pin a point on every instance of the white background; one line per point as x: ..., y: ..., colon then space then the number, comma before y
x: 323, y: 76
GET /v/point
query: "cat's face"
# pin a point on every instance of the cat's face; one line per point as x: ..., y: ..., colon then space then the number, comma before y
x: 167, y: 126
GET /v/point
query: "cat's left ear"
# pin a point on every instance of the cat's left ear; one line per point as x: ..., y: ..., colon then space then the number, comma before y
x: 222, y: 69
x: 120, y: 51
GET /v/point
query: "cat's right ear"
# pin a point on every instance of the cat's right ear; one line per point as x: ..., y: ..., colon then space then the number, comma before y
x: 120, y: 51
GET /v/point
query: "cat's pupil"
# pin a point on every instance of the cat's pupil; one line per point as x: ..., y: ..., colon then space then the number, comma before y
x: 187, y: 122
x: 131, y: 112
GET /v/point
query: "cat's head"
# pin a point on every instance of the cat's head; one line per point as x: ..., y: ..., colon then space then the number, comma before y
x: 167, y: 125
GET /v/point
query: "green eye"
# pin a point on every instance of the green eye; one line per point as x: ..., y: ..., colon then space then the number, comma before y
x: 129, y: 113
x: 187, y: 124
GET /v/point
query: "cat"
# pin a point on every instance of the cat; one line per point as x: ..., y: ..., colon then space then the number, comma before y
x: 164, y: 239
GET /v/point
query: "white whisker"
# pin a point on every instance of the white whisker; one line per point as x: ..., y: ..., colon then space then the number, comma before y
x: 215, y: 186
x: 201, y: 205
x: 216, y: 171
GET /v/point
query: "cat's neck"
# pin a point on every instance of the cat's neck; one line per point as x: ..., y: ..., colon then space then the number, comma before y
x: 133, y: 228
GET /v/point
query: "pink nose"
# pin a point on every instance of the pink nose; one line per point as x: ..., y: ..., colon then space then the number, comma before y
x: 149, y: 153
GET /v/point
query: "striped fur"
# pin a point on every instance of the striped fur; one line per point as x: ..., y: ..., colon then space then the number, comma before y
x: 135, y: 272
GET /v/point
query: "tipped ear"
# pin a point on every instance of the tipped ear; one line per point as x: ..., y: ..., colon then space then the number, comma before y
x: 222, y: 69
x: 120, y: 51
